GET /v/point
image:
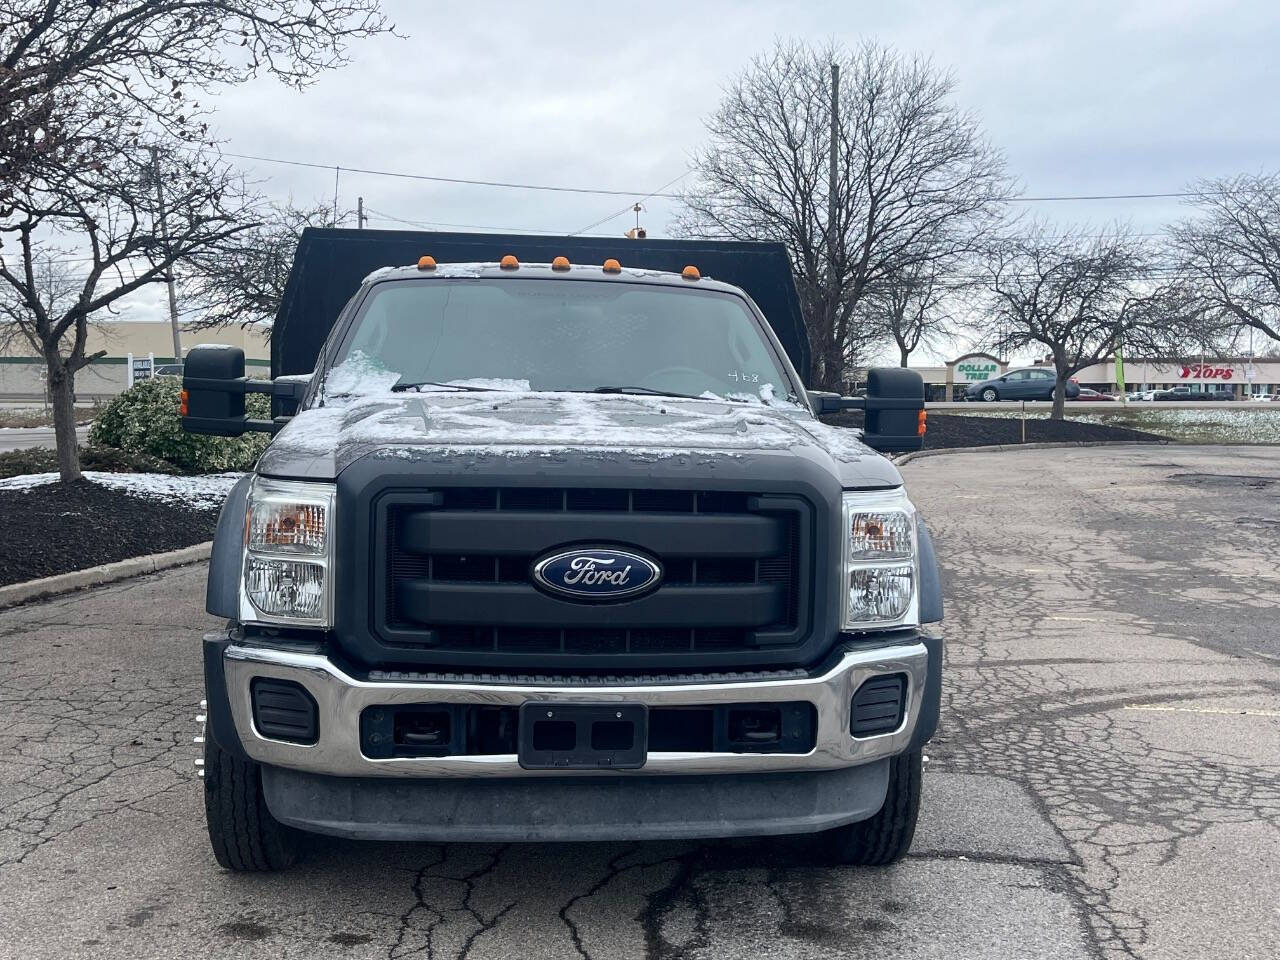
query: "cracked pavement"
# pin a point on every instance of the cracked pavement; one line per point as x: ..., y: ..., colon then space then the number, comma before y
x: 1106, y: 781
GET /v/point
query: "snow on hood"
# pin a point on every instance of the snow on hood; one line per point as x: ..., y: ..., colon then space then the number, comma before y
x: 321, y: 442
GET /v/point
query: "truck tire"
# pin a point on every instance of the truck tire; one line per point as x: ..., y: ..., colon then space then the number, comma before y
x: 886, y: 837
x: 245, y: 836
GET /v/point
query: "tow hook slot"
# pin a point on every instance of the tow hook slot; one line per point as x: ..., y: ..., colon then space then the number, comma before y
x: 755, y: 726
x: 765, y: 727
x: 430, y: 730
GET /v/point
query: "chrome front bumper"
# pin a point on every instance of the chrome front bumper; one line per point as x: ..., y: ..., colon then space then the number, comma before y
x: 340, y: 699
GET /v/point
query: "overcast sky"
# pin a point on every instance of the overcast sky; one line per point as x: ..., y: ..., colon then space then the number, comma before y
x: 1128, y: 96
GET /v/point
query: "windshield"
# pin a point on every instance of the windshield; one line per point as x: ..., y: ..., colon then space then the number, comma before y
x: 559, y: 336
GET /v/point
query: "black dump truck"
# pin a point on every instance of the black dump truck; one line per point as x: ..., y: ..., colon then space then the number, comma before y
x: 550, y: 544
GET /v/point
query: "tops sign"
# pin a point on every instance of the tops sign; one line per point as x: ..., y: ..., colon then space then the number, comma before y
x: 976, y: 369
x: 1204, y: 371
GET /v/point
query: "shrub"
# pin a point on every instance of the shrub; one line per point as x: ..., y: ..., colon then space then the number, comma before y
x: 144, y: 420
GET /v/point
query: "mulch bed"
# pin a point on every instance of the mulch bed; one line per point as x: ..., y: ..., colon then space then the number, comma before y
x: 950, y: 430
x: 57, y: 528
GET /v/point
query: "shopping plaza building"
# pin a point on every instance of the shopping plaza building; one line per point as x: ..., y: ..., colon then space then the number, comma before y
x: 129, y: 347
x: 1243, y: 376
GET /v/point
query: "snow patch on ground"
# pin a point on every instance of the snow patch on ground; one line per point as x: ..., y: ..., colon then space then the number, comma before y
x: 203, y: 492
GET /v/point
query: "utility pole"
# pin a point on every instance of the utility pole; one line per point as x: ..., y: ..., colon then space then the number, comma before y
x: 337, y: 172
x: 833, y: 300
x: 360, y: 217
x: 832, y: 178
x: 168, y: 270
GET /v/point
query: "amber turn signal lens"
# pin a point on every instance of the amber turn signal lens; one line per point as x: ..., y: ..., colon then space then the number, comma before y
x: 509, y: 263
x: 288, y: 527
x: 612, y: 266
x: 182, y: 403
x: 426, y: 263
x: 560, y: 263
x: 691, y: 273
x: 921, y: 423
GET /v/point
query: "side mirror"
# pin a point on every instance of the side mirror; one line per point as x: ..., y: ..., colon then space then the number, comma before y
x: 895, y: 419
x: 825, y: 402
x: 213, y: 389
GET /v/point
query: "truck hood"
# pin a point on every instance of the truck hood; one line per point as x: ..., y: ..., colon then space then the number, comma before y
x: 319, y: 443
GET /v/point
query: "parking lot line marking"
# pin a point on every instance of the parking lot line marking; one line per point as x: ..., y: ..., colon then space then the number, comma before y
x: 1217, y: 710
x: 1079, y: 619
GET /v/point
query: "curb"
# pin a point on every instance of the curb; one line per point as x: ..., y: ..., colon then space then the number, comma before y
x: 1046, y: 445
x: 17, y: 593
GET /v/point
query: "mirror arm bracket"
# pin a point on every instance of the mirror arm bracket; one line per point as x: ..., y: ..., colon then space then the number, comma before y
x: 289, y: 389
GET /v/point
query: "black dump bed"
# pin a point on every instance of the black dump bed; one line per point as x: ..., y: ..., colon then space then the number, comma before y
x: 330, y: 265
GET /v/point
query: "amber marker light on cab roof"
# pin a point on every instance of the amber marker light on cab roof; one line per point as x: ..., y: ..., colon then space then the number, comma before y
x: 612, y: 266
x: 691, y: 273
x: 560, y: 263
x: 426, y: 263
x: 509, y: 262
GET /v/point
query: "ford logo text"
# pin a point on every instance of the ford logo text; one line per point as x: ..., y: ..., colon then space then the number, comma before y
x: 597, y: 573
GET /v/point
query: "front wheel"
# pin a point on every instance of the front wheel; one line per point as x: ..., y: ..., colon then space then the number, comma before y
x: 245, y: 836
x: 990, y: 394
x: 886, y: 837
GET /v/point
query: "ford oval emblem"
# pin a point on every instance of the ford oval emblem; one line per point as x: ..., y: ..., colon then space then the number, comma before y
x: 597, y: 573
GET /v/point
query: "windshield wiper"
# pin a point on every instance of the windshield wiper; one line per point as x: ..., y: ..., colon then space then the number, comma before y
x: 642, y: 391
x: 466, y: 387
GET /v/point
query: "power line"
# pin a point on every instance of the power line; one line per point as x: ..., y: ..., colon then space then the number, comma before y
x: 1104, y: 196
x: 459, y: 180
x: 602, y: 191
x: 629, y: 208
x: 378, y: 215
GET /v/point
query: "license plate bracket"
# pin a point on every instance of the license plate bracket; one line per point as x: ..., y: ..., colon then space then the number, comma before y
x: 583, y: 736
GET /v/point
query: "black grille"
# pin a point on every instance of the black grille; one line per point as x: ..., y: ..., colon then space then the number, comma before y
x: 458, y: 564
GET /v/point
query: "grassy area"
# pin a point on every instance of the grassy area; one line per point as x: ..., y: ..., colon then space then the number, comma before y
x: 27, y: 417
x: 1229, y: 424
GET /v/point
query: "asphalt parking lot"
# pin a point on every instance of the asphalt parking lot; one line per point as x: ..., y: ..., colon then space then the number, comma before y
x: 1106, y: 782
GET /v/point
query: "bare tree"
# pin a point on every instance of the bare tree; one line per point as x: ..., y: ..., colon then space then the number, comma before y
x: 84, y: 86
x: 242, y: 280
x: 917, y: 305
x: 1075, y: 294
x: 915, y: 179
x: 1227, y: 257
x: 110, y: 214
x: 68, y: 68
x: 55, y: 282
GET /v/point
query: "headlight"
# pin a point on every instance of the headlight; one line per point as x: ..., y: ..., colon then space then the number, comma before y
x: 880, y: 567
x: 288, y: 554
